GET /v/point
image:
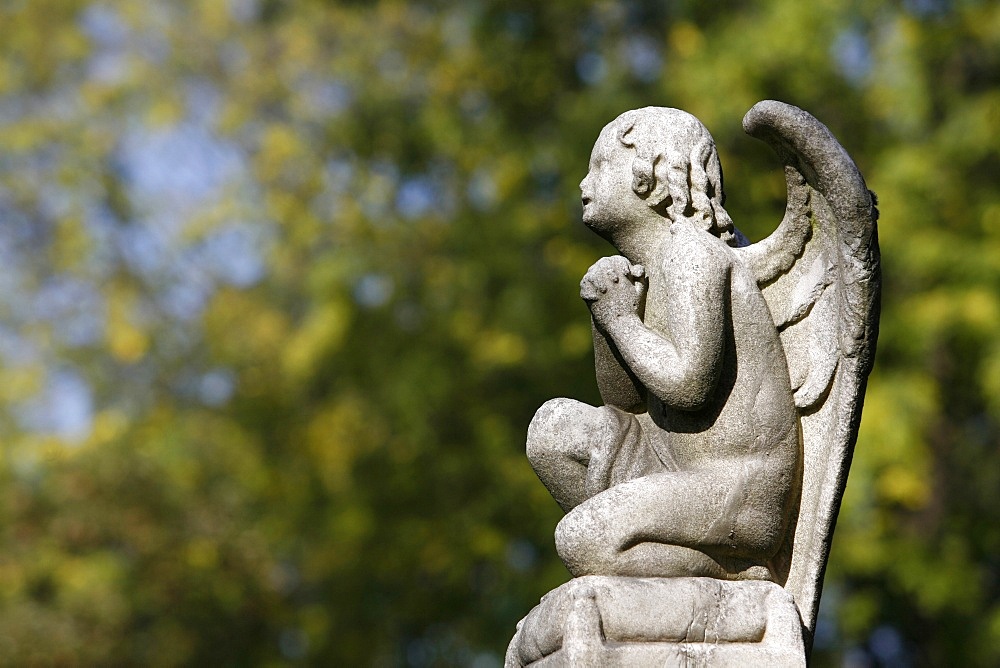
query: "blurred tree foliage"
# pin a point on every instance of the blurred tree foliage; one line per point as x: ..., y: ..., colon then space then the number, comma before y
x: 284, y: 282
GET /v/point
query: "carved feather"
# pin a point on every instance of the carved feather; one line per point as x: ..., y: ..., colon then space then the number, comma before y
x: 807, y: 290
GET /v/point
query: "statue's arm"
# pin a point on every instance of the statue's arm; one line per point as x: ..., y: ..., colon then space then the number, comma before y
x: 617, y: 385
x: 682, y: 366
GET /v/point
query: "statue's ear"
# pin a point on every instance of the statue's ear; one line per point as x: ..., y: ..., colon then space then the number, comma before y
x: 660, y: 190
x: 643, y: 178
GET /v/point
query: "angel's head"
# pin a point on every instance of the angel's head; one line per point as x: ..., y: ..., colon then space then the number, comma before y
x: 660, y: 159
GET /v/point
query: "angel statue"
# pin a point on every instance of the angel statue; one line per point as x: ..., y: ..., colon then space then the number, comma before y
x: 700, y: 499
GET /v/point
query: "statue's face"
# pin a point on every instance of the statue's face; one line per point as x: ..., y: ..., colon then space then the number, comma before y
x: 608, y: 198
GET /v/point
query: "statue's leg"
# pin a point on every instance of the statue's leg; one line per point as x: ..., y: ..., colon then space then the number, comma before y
x: 691, y: 523
x: 562, y: 438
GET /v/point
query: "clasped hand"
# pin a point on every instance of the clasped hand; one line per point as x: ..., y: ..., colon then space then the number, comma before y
x: 613, y: 287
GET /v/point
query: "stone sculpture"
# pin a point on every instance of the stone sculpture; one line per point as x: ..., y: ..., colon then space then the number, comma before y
x: 700, y: 499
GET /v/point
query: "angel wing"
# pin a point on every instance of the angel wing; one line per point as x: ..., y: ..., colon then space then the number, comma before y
x: 819, y: 272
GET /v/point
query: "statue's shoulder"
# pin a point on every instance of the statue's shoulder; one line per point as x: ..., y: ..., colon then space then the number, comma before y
x: 690, y: 249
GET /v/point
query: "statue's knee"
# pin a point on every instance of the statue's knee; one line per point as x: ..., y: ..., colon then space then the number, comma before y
x: 551, y: 426
x: 569, y: 547
x: 583, y: 545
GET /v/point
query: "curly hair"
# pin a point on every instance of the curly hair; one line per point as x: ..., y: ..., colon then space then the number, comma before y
x: 676, y: 167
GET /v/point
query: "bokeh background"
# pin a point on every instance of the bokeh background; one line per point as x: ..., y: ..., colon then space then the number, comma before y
x: 283, y: 283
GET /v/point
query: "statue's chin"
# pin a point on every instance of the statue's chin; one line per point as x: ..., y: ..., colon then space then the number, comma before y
x: 593, y: 222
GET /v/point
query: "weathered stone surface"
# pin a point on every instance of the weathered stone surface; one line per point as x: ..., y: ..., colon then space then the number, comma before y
x: 606, y: 621
x: 732, y: 377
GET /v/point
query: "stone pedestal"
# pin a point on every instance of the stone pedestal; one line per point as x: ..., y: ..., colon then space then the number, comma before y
x: 617, y: 621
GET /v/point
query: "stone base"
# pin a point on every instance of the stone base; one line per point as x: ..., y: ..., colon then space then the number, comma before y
x: 618, y: 621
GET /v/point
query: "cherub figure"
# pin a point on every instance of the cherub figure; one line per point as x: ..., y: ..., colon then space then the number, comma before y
x: 693, y: 466
x: 733, y: 377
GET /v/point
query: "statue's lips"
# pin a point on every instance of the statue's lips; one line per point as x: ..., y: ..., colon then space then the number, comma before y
x: 586, y: 201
